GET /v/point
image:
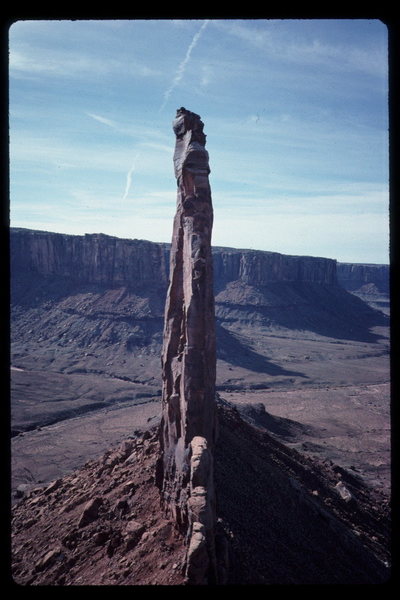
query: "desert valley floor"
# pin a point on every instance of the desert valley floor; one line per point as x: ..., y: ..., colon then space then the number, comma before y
x: 329, y: 398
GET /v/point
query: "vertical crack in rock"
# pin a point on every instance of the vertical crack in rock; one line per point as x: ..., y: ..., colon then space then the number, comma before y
x: 188, y: 427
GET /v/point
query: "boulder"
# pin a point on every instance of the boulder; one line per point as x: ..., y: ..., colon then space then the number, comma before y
x: 90, y: 512
x: 133, y: 532
x: 48, y: 559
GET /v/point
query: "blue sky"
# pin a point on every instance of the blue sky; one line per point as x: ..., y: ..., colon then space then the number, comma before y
x: 295, y: 113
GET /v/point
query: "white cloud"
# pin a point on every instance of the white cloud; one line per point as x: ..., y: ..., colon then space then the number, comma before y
x: 29, y: 61
x: 206, y: 75
x: 47, y: 153
x: 63, y: 64
x: 147, y: 135
x: 153, y: 225
x: 182, y: 67
x: 129, y: 177
x: 164, y: 148
x: 354, y: 199
x: 104, y: 120
x: 352, y: 238
x: 275, y: 42
x: 41, y: 152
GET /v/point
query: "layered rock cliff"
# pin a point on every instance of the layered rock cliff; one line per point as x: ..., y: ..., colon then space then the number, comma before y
x: 354, y: 276
x: 104, y: 259
x: 256, y: 267
x: 91, y: 258
x: 370, y: 283
x: 112, y: 261
x: 106, y: 290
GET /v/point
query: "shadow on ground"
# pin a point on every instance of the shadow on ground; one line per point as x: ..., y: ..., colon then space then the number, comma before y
x: 233, y: 350
x: 286, y: 429
x: 326, y: 310
x: 287, y: 523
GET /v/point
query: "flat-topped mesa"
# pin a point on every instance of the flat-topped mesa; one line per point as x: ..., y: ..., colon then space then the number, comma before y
x: 188, y: 427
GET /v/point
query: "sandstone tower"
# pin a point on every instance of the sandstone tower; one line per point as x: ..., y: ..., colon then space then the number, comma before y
x: 188, y: 427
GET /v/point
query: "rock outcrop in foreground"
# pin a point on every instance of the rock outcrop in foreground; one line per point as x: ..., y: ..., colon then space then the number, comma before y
x: 188, y: 424
x: 100, y: 525
x: 287, y: 518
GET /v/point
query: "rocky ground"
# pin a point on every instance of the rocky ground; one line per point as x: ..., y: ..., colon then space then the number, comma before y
x: 100, y: 525
x: 349, y: 425
x: 283, y: 519
x: 49, y: 452
x: 370, y: 294
x: 296, y: 520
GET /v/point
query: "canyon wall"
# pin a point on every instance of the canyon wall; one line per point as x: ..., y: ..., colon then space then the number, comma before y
x: 252, y: 286
x: 92, y: 258
x: 103, y: 259
x: 112, y: 261
x: 353, y: 276
x: 256, y: 267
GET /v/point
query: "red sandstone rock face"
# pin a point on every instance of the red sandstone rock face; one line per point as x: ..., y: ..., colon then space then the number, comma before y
x: 188, y: 357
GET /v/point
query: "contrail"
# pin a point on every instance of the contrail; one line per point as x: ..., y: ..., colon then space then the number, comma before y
x: 129, y: 177
x: 179, y: 74
x: 182, y: 66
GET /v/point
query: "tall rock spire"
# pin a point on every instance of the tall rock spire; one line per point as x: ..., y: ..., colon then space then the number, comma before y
x: 188, y: 427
